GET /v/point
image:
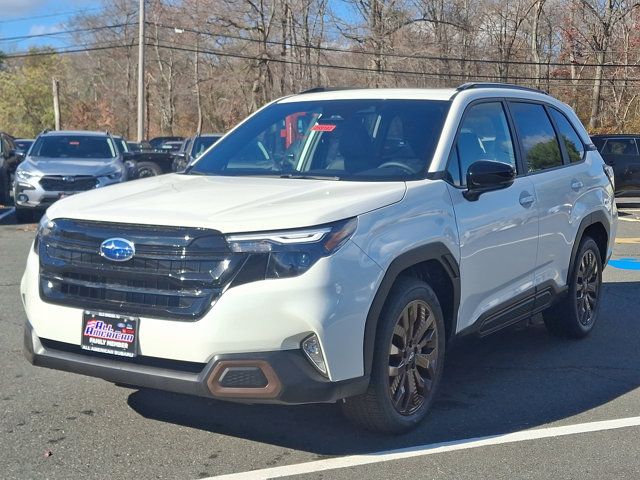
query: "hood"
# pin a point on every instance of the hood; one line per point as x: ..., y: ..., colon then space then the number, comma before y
x: 229, y: 204
x: 70, y: 166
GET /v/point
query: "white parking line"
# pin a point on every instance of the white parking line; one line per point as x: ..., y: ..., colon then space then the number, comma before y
x: 432, y: 449
x: 7, y: 213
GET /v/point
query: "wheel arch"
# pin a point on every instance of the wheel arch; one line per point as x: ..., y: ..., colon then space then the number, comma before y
x: 433, y: 263
x: 597, y: 226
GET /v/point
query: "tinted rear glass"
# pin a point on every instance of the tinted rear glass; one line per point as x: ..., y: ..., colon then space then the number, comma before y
x: 620, y: 146
x: 73, y: 146
x: 338, y: 139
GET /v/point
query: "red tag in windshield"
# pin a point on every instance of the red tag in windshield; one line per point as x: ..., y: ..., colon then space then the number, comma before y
x: 322, y: 127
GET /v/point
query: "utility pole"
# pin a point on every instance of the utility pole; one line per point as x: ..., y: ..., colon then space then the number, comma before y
x: 141, y: 95
x: 56, y: 102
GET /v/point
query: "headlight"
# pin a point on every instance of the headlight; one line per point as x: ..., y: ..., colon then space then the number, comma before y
x: 114, y: 175
x: 25, y: 175
x: 291, y: 253
x: 44, y: 228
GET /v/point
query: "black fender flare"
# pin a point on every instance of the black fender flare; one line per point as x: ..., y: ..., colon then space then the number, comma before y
x: 433, y: 251
x: 591, y: 219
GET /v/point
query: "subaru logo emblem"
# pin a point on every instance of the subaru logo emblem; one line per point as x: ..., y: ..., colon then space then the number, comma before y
x: 69, y: 179
x: 117, y: 249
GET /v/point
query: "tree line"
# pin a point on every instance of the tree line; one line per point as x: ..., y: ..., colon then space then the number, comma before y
x: 209, y: 63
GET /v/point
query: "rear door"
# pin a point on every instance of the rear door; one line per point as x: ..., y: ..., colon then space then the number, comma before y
x: 560, y: 177
x: 498, y: 231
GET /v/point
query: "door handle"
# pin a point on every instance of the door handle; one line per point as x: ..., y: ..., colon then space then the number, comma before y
x: 576, y: 185
x: 526, y: 199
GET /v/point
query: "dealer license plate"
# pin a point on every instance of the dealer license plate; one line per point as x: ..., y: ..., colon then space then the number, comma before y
x: 110, y: 333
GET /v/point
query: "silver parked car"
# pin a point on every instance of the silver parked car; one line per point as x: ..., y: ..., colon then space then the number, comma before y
x: 61, y: 163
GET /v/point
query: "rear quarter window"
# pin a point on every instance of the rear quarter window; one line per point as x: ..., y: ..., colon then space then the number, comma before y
x: 572, y: 143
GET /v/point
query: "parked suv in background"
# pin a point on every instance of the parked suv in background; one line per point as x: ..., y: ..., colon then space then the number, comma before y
x: 192, y: 148
x: 622, y: 152
x: 62, y: 163
x: 341, y: 239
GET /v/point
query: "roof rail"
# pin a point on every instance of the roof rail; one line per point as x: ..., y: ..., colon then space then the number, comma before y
x: 470, y: 85
x: 325, y: 89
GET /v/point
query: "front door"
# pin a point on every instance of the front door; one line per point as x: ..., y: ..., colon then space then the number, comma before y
x: 498, y: 231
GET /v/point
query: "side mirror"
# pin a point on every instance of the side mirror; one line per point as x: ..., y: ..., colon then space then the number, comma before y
x: 485, y: 176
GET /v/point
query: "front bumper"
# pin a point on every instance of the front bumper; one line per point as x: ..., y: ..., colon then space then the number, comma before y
x: 329, y: 301
x: 39, y: 198
x: 291, y: 379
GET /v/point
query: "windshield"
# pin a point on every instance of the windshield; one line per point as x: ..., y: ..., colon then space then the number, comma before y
x: 338, y: 139
x: 73, y: 146
x: 200, y: 144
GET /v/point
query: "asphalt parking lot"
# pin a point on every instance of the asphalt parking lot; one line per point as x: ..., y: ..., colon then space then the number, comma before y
x: 519, y: 404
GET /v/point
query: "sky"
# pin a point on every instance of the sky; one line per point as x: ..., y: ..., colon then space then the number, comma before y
x: 35, y: 17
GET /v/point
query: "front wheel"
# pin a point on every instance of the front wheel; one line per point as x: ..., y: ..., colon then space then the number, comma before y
x: 148, y: 169
x: 407, y: 363
x: 576, y: 315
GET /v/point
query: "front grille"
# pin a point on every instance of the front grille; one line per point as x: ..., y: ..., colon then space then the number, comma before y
x: 68, y: 183
x: 176, y: 273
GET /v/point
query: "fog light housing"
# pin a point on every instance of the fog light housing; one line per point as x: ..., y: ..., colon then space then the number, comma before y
x: 313, y: 350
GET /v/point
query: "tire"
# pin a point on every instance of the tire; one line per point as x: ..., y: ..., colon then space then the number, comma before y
x: 148, y: 169
x: 24, y: 215
x: 376, y: 409
x: 576, y: 314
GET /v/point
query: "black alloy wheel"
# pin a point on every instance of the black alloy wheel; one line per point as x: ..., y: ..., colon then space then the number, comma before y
x: 587, y: 288
x: 407, y: 364
x: 413, y: 357
x: 575, y: 315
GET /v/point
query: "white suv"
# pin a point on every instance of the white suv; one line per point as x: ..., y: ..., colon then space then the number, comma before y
x: 328, y: 249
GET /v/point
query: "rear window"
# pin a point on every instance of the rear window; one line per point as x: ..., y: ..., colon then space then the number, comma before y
x: 620, y: 146
x: 73, y: 146
x: 369, y: 140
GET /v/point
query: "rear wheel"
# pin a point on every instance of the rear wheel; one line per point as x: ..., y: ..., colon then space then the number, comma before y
x: 407, y: 364
x: 148, y: 169
x: 576, y: 315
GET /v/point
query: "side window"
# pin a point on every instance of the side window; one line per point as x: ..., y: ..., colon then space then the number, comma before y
x: 568, y: 134
x: 538, y: 138
x: 620, y: 146
x: 484, y: 135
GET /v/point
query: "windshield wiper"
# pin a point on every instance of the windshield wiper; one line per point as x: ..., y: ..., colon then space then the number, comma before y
x: 309, y: 177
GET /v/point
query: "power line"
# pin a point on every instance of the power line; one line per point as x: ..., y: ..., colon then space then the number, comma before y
x: 64, y: 32
x: 50, y: 15
x: 398, y: 55
x: 48, y: 52
x: 373, y: 70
